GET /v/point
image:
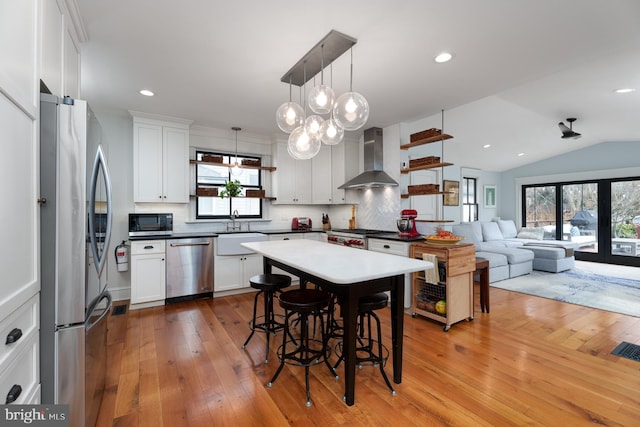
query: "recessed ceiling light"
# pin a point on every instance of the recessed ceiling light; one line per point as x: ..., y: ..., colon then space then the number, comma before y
x: 443, y: 57
x: 486, y: 146
x: 625, y: 90
x: 520, y: 154
x: 146, y: 92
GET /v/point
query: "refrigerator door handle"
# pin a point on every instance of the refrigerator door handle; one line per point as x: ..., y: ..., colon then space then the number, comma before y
x: 89, y: 324
x: 99, y: 164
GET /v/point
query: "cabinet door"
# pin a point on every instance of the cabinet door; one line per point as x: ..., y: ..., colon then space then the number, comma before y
x: 228, y: 272
x: 252, y: 266
x: 321, y: 177
x: 338, y: 173
x: 71, y: 71
x: 51, y: 68
x: 303, y: 181
x: 147, y: 278
x: 292, y: 178
x: 147, y: 163
x: 175, y: 181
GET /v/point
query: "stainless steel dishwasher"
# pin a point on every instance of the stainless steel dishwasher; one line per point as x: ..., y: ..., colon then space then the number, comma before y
x: 189, y: 268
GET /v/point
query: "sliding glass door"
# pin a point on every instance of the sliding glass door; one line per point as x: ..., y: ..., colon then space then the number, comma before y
x: 601, y: 216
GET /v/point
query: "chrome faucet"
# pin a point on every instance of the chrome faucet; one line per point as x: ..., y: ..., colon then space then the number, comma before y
x: 233, y: 226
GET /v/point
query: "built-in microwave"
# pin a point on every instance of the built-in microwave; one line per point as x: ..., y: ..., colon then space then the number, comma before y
x: 150, y: 224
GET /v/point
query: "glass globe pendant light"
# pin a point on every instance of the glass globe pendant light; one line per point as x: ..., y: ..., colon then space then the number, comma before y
x: 302, y: 144
x: 289, y: 115
x: 235, y: 170
x: 313, y: 124
x: 330, y: 132
x: 351, y: 109
x: 321, y: 97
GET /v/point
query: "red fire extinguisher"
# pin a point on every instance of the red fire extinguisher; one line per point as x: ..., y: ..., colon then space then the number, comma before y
x: 122, y: 256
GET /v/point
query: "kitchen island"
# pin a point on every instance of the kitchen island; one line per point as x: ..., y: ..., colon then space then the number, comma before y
x: 349, y: 273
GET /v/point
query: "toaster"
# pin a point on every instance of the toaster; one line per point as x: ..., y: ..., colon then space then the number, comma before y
x: 301, y: 223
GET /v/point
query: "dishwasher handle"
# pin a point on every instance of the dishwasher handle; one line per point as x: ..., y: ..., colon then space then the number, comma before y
x: 174, y: 245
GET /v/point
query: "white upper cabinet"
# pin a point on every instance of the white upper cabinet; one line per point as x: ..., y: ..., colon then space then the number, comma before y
x: 313, y: 181
x: 292, y: 178
x: 71, y: 71
x: 60, y: 56
x: 52, y: 31
x: 321, y: 177
x: 18, y: 46
x: 160, y: 161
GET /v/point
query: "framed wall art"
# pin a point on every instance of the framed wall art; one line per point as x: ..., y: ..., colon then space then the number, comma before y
x: 490, y: 196
x: 452, y: 193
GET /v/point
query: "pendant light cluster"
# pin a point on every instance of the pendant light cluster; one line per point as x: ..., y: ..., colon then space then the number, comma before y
x: 349, y: 111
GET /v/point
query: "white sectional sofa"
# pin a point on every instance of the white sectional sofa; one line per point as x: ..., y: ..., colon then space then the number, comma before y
x: 513, y: 253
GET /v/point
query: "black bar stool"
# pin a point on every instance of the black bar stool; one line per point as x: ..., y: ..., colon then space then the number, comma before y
x: 267, y: 285
x: 308, y: 350
x: 369, y: 350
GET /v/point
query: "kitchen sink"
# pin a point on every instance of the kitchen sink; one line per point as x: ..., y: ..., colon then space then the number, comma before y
x: 230, y: 244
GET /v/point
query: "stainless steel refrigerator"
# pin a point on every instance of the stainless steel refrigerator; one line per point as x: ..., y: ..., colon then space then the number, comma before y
x: 75, y: 222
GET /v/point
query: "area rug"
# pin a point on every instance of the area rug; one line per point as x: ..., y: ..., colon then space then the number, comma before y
x: 620, y: 295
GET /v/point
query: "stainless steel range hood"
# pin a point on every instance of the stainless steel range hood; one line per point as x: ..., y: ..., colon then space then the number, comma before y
x: 373, y: 175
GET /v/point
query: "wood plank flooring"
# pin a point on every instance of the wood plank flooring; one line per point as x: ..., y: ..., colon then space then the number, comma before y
x: 532, y: 361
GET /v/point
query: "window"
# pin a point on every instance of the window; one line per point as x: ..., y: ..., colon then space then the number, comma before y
x: 469, y: 200
x: 209, y: 175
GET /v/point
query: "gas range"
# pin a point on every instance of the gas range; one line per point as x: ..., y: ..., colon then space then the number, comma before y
x: 355, y: 238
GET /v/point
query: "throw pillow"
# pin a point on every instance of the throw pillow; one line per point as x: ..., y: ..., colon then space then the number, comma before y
x: 491, y: 231
x: 533, y: 233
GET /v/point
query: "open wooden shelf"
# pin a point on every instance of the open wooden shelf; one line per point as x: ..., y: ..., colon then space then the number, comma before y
x: 429, y: 166
x: 262, y: 168
x: 406, y: 196
x: 431, y: 139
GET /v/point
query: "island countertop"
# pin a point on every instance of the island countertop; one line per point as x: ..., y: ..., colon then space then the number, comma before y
x: 335, y: 263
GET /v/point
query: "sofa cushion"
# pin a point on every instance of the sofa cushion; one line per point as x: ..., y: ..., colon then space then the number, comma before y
x: 533, y: 233
x: 491, y: 231
x: 495, y: 260
x: 507, y: 228
x: 471, y: 231
x: 514, y: 255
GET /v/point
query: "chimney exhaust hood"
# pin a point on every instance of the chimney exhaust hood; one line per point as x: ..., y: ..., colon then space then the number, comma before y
x: 373, y: 175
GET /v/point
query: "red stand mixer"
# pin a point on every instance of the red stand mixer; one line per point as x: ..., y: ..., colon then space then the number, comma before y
x: 407, y: 223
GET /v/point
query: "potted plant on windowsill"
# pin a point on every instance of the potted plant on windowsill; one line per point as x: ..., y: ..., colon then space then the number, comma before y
x: 231, y: 189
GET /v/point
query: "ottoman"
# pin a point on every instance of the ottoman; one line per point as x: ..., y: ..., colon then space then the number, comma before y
x: 551, y: 259
x: 498, y: 266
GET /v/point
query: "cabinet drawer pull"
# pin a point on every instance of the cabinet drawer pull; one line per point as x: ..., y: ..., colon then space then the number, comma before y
x: 286, y: 238
x: 13, y: 336
x: 387, y: 247
x: 13, y: 394
x: 149, y: 247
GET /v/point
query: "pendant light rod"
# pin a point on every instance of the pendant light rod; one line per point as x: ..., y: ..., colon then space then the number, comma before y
x: 236, y: 129
x: 331, y: 47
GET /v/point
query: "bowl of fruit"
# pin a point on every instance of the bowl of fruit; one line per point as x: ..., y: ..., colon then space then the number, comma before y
x: 443, y: 237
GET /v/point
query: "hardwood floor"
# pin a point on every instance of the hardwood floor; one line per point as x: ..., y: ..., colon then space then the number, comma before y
x: 532, y: 361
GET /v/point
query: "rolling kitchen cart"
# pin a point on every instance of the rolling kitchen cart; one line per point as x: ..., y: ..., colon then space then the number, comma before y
x: 456, y: 264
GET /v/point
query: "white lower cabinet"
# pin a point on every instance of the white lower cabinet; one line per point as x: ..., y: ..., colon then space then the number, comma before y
x: 393, y: 247
x: 148, y: 281
x: 234, y: 271
x: 19, y: 356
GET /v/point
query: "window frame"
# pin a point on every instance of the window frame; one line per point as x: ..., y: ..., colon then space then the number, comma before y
x: 227, y: 160
x: 466, y: 197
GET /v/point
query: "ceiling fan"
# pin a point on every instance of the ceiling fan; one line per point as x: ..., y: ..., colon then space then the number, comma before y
x: 567, y: 132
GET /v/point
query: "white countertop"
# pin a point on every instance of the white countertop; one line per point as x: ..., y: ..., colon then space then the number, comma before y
x: 335, y: 263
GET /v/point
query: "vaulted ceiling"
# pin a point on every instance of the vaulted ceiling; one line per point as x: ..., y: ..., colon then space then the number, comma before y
x: 519, y: 67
